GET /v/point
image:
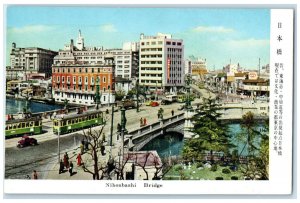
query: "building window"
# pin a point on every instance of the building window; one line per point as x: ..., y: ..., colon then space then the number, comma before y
x: 104, y: 79
x: 63, y: 79
x: 58, y: 78
x: 86, y: 80
x: 74, y: 79
x: 86, y: 70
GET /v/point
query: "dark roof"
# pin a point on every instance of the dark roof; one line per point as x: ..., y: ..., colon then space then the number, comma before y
x: 239, y: 74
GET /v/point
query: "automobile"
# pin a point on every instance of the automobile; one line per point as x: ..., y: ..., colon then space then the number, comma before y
x: 165, y: 102
x: 26, y: 141
x: 148, y: 103
x: 181, y: 107
x: 154, y: 104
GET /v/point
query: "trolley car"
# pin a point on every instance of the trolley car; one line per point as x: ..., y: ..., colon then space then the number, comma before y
x: 32, y: 125
x: 73, y: 122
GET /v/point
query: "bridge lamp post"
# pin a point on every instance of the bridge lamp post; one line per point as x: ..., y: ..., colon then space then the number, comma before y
x: 188, y: 105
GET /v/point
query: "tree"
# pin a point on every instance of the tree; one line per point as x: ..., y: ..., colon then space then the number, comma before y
x: 119, y: 95
x: 249, y: 126
x: 257, y: 143
x: 210, y: 134
x: 95, y: 142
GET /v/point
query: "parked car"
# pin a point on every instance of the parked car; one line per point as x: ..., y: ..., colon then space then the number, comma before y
x: 154, y: 104
x: 26, y: 141
x: 181, y: 107
x: 148, y: 103
x: 165, y: 102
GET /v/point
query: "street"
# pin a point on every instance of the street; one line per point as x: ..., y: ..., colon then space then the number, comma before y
x: 20, y: 162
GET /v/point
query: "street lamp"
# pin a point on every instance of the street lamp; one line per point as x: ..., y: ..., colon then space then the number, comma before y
x: 97, y: 94
x: 188, y: 87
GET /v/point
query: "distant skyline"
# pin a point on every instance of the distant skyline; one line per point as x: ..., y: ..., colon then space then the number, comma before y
x: 217, y: 35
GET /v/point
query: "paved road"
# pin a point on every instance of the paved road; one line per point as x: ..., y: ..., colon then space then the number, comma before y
x: 20, y: 162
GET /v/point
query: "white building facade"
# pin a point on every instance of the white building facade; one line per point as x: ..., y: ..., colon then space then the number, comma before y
x: 31, y: 60
x: 161, y: 62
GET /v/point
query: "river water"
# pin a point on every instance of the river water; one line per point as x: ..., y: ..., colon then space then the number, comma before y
x: 14, y: 106
x: 170, y: 145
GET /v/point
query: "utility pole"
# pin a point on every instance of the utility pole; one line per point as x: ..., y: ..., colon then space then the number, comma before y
x: 111, y: 125
x: 137, y: 96
x: 58, y: 142
x: 258, y: 67
x: 123, y: 127
x: 97, y: 94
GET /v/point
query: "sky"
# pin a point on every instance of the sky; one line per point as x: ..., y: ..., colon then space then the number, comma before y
x: 217, y: 35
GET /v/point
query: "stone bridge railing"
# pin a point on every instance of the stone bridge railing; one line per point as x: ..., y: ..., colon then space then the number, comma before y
x: 138, y: 138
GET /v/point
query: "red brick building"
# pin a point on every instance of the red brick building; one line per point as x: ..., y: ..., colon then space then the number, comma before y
x: 76, y: 81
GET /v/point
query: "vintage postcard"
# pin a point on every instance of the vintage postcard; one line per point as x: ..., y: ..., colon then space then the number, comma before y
x: 148, y: 100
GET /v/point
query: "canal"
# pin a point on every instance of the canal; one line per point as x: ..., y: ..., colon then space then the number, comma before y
x: 172, y: 144
x: 14, y: 106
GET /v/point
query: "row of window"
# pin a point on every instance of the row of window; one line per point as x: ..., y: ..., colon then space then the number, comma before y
x: 152, y: 43
x: 23, y: 125
x: 151, y: 75
x: 77, y: 120
x: 152, y: 49
x: 80, y: 87
x: 151, y: 68
x: 151, y: 62
x: 151, y: 81
x: 173, y: 43
x: 80, y: 70
x: 57, y: 78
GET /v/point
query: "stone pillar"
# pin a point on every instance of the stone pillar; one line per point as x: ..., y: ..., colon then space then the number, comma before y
x: 188, y: 125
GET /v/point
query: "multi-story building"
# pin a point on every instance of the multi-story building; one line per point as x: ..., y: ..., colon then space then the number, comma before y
x: 199, y: 68
x: 31, y: 60
x: 161, y: 62
x: 232, y: 68
x: 75, y: 71
x: 125, y: 59
x: 77, y: 82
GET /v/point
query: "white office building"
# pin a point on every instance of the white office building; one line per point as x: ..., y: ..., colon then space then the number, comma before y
x: 161, y: 62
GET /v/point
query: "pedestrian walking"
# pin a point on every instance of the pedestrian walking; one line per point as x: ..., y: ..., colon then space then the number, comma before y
x: 141, y: 122
x: 145, y: 121
x: 81, y: 148
x: 34, y: 175
x: 66, y: 160
x: 119, y: 127
x: 61, y: 166
x: 71, y: 168
x: 79, y: 159
x: 172, y: 112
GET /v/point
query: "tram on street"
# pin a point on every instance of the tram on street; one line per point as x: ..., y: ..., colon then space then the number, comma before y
x: 31, y: 125
x: 73, y: 122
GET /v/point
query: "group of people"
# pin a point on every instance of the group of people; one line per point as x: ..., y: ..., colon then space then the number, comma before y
x: 68, y: 165
x: 143, y: 122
